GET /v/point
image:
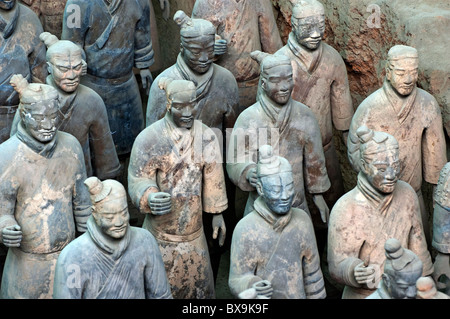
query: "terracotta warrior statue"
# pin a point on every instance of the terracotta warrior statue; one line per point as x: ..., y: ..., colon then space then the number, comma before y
x: 244, y: 26
x: 82, y: 111
x: 21, y: 52
x: 402, y: 269
x: 115, y: 37
x: 290, y: 127
x: 112, y: 260
x: 320, y: 82
x: 380, y: 207
x: 175, y: 175
x: 441, y: 230
x: 274, y: 246
x: 50, y: 13
x: 217, y: 100
x: 412, y: 116
x: 44, y: 201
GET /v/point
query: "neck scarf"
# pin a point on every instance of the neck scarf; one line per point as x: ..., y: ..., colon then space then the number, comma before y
x: 278, y: 222
x: 46, y: 150
x: 402, y: 105
x: 379, y: 200
x: 310, y: 59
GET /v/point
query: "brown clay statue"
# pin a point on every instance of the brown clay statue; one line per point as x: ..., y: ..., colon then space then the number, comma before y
x: 112, y: 260
x: 380, y: 207
x: 21, y: 52
x: 82, y: 111
x: 44, y: 201
x: 320, y: 82
x: 441, y: 230
x: 244, y: 26
x: 412, y: 116
x: 426, y: 289
x: 50, y: 13
x: 175, y: 175
x: 217, y: 92
x: 289, y: 127
x: 115, y: 36
x: 274, y: 248
x: 402, y: 269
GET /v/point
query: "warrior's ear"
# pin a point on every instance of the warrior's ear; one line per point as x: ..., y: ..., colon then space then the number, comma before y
x: 259, y: 189
x: 49, y: 68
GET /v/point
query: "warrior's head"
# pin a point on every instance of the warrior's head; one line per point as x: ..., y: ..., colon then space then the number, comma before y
x: 402, y: 269
x: 109, y: 206
x: 38, y: 108
x: 65, y: 62
x: 402, y: 69
x: 276, y: 76
x: 197, y: 42
x: 308, y: 23
x: 379, y: 159
x: 181, y: 101
x: 275, y: 181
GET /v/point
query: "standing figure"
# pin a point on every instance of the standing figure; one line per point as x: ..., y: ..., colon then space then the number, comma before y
x: 21, y: 52
x: 112, y: 260
x: 291, y: 129
x: 321, y: 83
x: 245, y: 26
x: 115, y: 36
x: 380, y: 207
x: 274, y: 245
x: 82, y: 111
x: 175, y: 175
x: 441, y: 230
x: 43, y: 197
x: 409, y: 114
x: 402, y: 270
x: 50, y: 13
x: 217, y: 99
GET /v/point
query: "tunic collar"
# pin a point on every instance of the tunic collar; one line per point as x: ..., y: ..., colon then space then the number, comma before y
x: 309, y: 58
x: 46, y: 150
x: 66, y: 101
x: 113, y: 247
x: 278, y: 222
x: 402, y: 105
x: 278, y: 114
x: 182, y: 139
x: 202, y: 82
x: 112, y: 5
x: 7, y: 27
x: 379, y: 200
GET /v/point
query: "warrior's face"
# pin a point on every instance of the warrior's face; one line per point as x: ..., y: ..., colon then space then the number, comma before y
x: 278, y: 83
x: 183, y: 114
x: 42, y: 120
x: 403, y: 284
x: 66, y: 71
x: 198, y: 52
x: 7, y: 4
x: 403, y: 75
x: 383, y: 170
x: 114, y: 218
x: 309, y: 31
x: 277, y: 191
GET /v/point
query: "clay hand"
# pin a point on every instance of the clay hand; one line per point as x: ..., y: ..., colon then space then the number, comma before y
x: 160, y: 203
x: 323, y: 207
x: 365, y: 275
x: 441, y: 268
x: 165, y: 7
x: 252, y: 177
x: 147, y: 79
x: 219, y: 229
x: 220, y: 45
x: 264, y: 289
x: 12, y: 236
